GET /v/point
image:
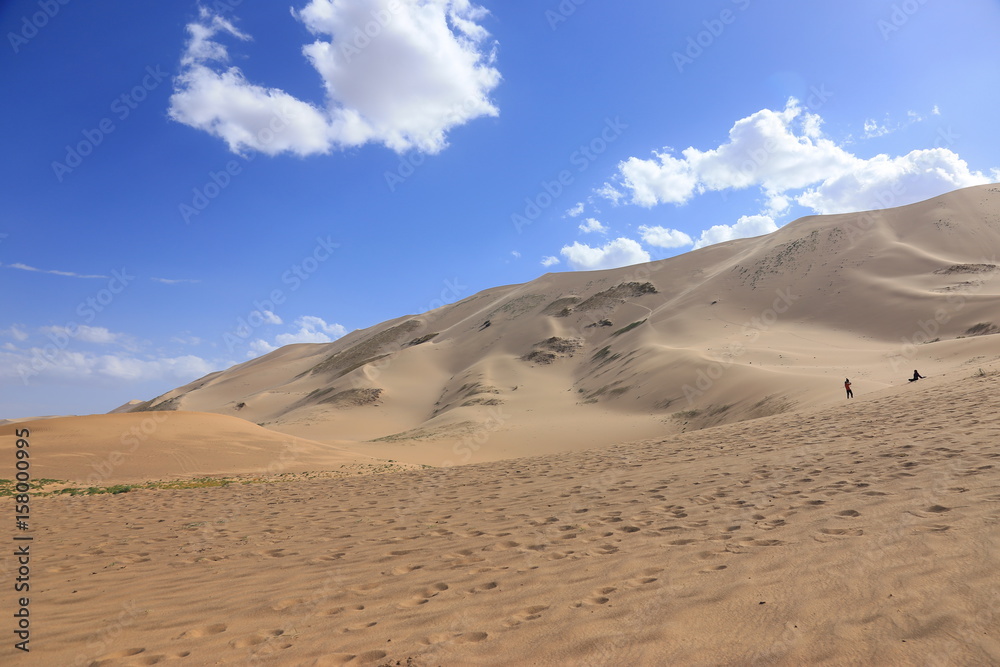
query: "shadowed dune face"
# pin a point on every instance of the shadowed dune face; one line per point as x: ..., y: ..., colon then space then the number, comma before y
x: 730, y: 332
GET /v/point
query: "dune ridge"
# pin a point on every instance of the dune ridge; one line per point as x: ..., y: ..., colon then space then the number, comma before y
x: 730, y: 332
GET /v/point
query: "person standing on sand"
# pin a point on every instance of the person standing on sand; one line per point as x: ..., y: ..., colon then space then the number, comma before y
x: 847, y: 386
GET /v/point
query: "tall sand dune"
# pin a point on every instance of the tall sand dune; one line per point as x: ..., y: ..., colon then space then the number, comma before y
x: 730, y: 332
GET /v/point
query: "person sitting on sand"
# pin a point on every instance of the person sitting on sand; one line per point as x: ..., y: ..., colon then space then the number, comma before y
x: 916, y: 376
x: 847, y: 386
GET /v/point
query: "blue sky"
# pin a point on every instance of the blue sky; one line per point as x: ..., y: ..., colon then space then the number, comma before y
x: 185, y: 186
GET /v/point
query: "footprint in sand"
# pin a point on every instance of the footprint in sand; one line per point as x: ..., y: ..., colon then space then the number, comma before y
x: 480, y: 588
x: 255, y: 639
x: 288, y: 603
x: 366, y: 658
x: 205, y: 631
x: 849, y: 513
x: 854, y: 532
x: 527, y: 614
x: 714, y: 568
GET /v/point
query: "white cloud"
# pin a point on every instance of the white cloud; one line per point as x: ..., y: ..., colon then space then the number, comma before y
x: 550, y: 261
x: 936, y: 111
x: 15, y: 332
x: 591, y: 225
x: 268, y: 317
x: 608, y: 191
x: 620, y: 252
x: 874, y: 129
x: 45, y: 364
x: 787, y: 156
x: 312, y: 329
x: 883, y: 181
x: 663, y: 237
x: 664, y: 180
x: 401, y: 73
x: 259, y: 347
x: 746, y: 226
x: 576, y: 210
x: 174, y: 281
x: 84, y: 333
x: 68, y: 274
x: 516, y: 254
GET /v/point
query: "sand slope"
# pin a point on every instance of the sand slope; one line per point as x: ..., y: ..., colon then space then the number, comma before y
x: 866, y: 533
x: 100, y: 450
x: 743, y: 329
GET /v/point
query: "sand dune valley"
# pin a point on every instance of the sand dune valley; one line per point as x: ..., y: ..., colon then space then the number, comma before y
x: 652, y: 465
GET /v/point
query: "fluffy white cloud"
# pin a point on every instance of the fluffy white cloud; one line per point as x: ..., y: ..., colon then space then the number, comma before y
x: 550, y: 261
x: 786, y: 155
x: 746, y: 226
x: 883, y: 181
x: 312, y: 329
x: 663, y: 237
x: 663, y: 180
x: 397, y: 72
x: 591, y: 225
x: 576, y: 210
x: 616, y: 253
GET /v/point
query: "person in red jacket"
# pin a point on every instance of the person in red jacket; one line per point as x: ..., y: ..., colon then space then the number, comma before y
x: 847, y: 386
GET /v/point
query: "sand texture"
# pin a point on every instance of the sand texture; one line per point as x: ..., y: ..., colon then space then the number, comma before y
x: 861, y: 534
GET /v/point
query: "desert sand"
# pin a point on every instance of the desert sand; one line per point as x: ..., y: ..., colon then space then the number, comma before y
x: 865, y: 533
x: 650, y: 465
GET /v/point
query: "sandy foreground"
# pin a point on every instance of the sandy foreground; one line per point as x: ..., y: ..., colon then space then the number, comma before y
x: 865, y: 533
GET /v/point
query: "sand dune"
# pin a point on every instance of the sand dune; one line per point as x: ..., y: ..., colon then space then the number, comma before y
x: 865, y: 533
x: 739, y: 330
x: 101, y: 450
x: 649, y: 465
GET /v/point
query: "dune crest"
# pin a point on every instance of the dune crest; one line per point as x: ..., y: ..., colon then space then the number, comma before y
x: 735, y: 331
